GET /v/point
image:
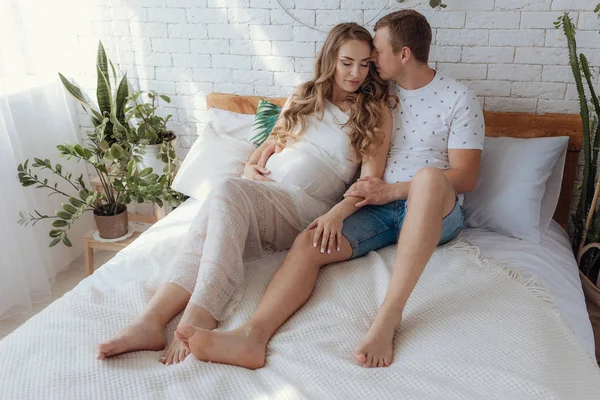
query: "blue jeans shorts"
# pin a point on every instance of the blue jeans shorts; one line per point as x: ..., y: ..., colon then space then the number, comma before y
x: 374, y: 227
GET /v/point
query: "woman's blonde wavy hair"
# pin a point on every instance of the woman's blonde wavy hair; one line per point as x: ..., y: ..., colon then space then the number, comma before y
x: 367, y: 103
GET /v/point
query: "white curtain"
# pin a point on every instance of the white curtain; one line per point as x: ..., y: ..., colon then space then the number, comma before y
x: 35, y: 116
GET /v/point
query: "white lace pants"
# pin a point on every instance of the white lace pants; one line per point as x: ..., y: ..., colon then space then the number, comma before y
x: 243, y: 219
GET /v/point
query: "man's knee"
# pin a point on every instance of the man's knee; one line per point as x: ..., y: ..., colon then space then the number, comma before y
x: 430, y: 178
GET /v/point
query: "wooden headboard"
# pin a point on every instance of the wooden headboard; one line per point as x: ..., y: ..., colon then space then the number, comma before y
x: 517, y: 125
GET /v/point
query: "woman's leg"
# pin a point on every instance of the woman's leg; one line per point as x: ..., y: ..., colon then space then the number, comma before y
x: 289, y: 289
x: 146, y: 332
x: 246, y: 217
x: 183, y: 272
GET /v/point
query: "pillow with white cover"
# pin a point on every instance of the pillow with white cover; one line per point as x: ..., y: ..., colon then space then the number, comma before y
x: 213, y: 158
x: 229, y: 123
x: 518, y: 187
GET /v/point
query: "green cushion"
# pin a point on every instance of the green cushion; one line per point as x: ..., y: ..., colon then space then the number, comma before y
x: 264, y: 121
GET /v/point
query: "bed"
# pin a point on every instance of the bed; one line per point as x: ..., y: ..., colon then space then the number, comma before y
x: 445, y: 349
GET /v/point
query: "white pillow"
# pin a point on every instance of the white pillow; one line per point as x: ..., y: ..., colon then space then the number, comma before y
x: 213, y: 158
x: 518, y: 187
x: 238, y: 126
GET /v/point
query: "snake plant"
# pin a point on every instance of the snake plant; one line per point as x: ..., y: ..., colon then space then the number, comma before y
x: 111, y: 105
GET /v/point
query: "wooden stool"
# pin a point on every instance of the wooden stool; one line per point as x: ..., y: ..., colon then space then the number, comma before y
x: 89, y: 244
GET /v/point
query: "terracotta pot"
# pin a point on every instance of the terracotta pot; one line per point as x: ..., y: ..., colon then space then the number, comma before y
x: 592, y: 301
x: 112, y: 226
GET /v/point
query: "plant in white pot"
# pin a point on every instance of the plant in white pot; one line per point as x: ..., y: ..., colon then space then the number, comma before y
x: 154, y: 141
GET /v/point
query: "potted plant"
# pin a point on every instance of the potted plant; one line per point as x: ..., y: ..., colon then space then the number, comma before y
x: 155, y: 142
x: 585, y: 221
x: 111, y: 156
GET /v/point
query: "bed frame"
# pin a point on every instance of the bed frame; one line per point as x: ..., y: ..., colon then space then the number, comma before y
x: 517, y: 125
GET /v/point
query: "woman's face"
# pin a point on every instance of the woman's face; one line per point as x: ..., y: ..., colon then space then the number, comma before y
x: 352, y: 65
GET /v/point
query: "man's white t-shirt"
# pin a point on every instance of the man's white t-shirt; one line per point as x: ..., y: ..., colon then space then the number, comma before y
x: 442, y: 115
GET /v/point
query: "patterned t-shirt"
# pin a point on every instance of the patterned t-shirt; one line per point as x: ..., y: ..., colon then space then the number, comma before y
x: 442, y: 115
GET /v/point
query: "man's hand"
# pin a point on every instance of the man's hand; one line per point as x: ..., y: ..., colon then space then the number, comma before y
x: 373, y: 190
x: 256, y: 173
x: 268, y: 151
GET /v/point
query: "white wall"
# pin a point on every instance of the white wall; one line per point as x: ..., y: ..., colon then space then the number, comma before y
x: 506, y: 50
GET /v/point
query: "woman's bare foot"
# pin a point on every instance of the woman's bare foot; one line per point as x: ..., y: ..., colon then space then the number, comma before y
x: 193, y: 315
x: 243, y: 347
x: 377, y: 348
x: 176, y: 352
x: 141, y: 334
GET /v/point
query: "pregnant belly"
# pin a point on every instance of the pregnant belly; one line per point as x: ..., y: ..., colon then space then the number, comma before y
x: 306, y: 171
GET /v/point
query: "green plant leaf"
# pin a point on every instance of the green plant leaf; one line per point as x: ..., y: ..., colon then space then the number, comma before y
x: 63, y: 214
x: 103, y: 86
x: 165, y: 98
x: 73, y: 90
x: 59, y: 223
x: 103, y: 145
x: 55, y: 233
x: 121, y: 100
x: 66, y: 241
x: 68, y: 208
x: 75, y: 202
x: 145, y: 172
x: 54, y: 242
x: 116, y: 151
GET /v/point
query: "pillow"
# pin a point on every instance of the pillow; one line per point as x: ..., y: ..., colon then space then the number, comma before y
x: 518, y: 187
x: 213, y: 158
x: 266, y: 116
x: 230, y: 123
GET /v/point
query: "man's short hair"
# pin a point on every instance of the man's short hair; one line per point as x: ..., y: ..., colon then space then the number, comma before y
x: 408, y: 28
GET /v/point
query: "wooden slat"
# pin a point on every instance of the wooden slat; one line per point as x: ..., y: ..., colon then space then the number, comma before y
x: 517, y: 125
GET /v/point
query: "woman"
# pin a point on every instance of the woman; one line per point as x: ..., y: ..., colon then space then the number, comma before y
x: 328, y: 125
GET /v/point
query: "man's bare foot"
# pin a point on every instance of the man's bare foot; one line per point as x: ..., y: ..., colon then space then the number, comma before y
x: 377, y: 348
x: 193, y: 315
x: 243, y: 347
x: 141, y: 334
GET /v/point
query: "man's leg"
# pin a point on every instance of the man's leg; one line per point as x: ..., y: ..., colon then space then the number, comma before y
x: 430, y: 199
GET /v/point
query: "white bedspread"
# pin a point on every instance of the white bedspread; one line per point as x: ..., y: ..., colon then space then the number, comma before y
x: 470, y: 331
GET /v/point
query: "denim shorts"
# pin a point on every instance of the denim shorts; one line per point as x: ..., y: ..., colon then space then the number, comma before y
x: 374, y: 227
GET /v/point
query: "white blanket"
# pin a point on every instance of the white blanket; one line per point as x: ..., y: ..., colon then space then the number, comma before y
x: 470, y: 331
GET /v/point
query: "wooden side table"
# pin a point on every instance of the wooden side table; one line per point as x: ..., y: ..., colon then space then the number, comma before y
x: 89, y: 243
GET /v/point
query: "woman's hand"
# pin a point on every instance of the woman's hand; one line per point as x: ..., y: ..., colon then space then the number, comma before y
x: 268, y: 152
x: 254, y: 172
x: 373, y: 190
x: 328, y: 232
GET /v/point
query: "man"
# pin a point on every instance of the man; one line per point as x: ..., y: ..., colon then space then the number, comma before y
x: 434, y: 156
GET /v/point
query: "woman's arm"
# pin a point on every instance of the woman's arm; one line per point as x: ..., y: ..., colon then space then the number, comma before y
x: 255, y: 167
x: 329, y: 226
x: 252, y: 170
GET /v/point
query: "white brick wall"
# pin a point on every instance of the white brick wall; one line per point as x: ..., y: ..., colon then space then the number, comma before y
x: 506, y: 50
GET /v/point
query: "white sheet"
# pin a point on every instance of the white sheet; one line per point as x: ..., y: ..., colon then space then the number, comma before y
x: 552, y: 264
x: 52, y: 355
